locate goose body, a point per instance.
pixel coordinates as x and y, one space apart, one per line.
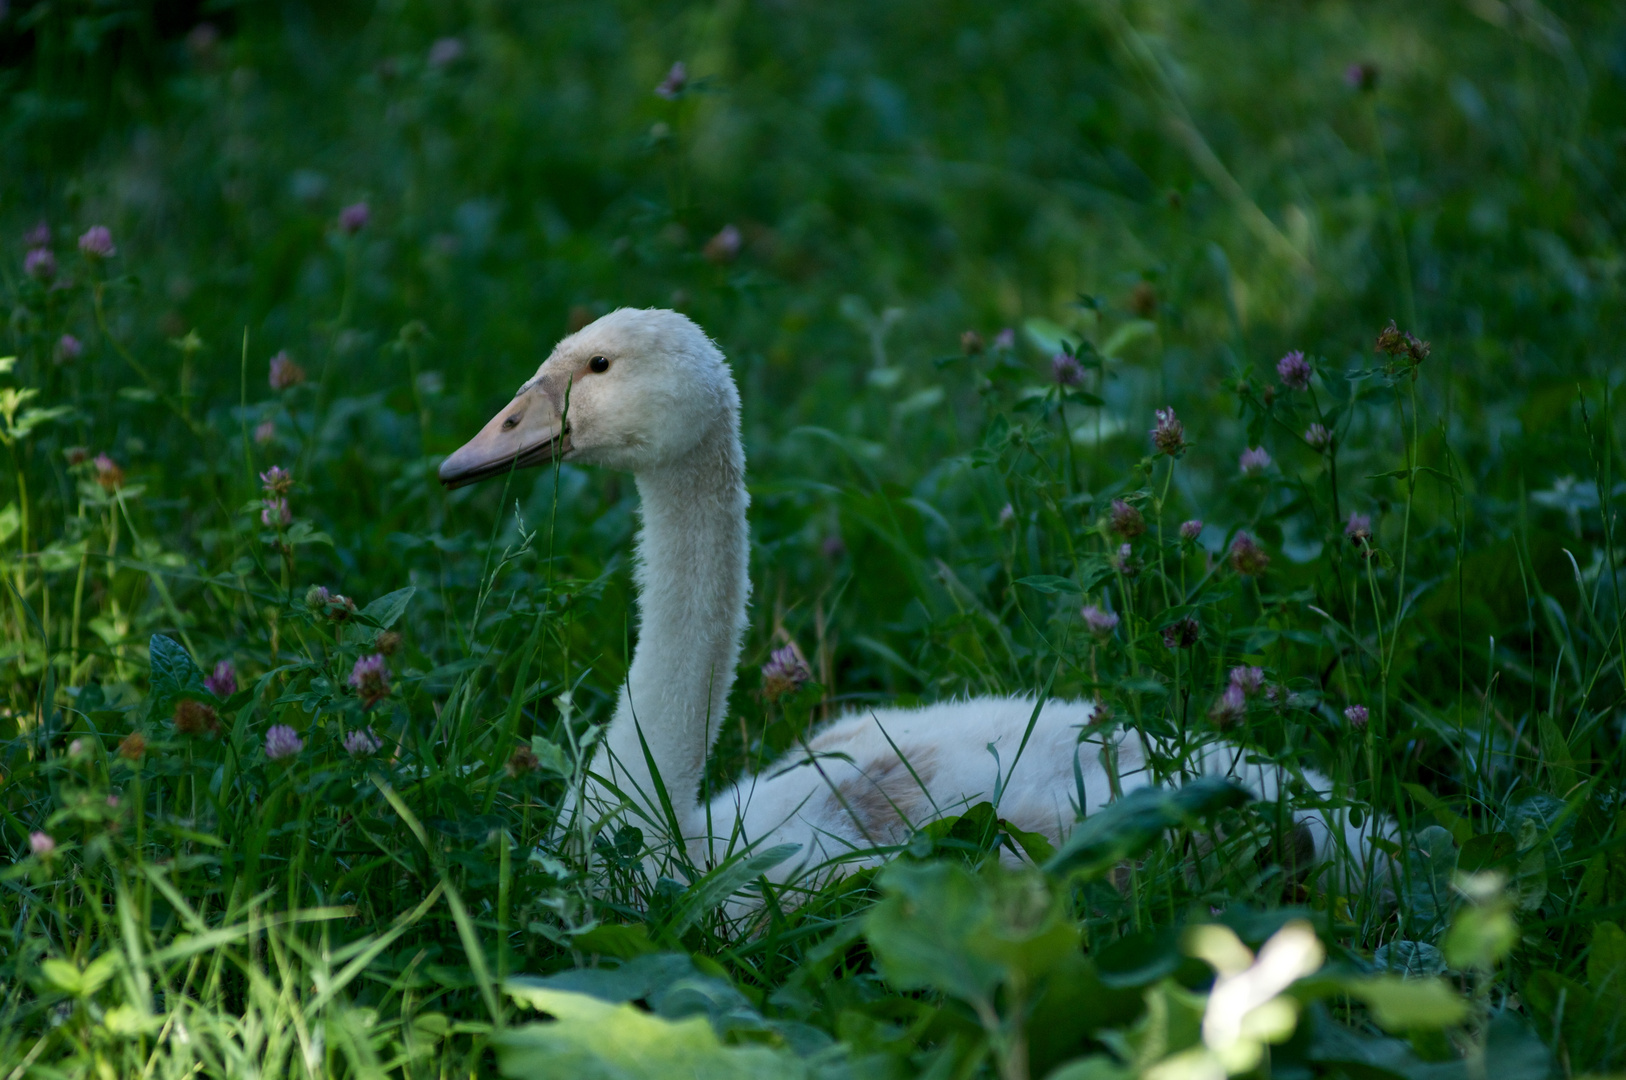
647 392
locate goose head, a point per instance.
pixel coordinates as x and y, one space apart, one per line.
636 391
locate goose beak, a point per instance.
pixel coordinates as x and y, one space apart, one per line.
527 432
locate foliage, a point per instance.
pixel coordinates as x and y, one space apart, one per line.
1081 352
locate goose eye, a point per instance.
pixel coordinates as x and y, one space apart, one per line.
509 423
598 364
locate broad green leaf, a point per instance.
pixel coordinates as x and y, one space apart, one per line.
303 532
1430 863
1401 1005
1606 965
942 927
590 1039
1481 935
1095 1067
11 520
550 757
388 608
635 980
173 673
1132 824
63 975
614 939
1073 1006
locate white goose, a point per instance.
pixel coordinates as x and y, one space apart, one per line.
647 392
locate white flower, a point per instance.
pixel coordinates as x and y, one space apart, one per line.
1245 1009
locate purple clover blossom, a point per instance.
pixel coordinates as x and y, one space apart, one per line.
1005 339
1254 461
1357 716
370 678
97 242
284 372
1359 529
1066 370
1190 530
38 236
1007 516
725 246
1125 520
1182 634
1169 436
277 481
40 843
1231 707
274 514
282 741
264 432
445 52
40 264
676 79
1101 623
784 672
1248 558
1294 371
360 743
1251 680
1318 436
68 349
222 681
354 218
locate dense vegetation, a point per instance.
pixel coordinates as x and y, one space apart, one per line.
287 728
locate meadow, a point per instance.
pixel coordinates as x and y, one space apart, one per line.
1247 369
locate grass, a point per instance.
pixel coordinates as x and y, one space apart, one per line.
1172 195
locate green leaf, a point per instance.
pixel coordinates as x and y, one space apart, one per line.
1050 584
1035 846
62 975
11 520
550 757
590 1039
173 673
1073 1006
941 927
1431 860
388 608
1481 935
1095 1067
1606 966
1132 824
1401 1005
614 939
1486 852
303 532
635 980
